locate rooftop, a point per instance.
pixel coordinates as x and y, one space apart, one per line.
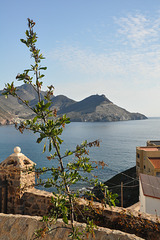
155 162
150 185
149 148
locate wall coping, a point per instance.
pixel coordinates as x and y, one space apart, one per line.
28 224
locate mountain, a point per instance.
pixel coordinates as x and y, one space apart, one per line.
88 105
61 102
98 108
91 109
5 117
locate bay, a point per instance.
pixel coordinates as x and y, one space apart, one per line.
118 141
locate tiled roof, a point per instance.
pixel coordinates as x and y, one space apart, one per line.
155 162
150 185
149 148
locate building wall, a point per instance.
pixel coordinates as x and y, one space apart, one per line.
152 171
142 199
142 162
148 204
152 205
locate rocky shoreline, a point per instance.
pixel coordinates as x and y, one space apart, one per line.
9 121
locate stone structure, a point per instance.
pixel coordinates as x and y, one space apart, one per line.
12 226
36 202
14 170
18 196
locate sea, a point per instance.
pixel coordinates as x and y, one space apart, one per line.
118 142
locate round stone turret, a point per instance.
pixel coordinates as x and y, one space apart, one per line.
17 171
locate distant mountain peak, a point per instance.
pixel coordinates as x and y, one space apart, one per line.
98 98
93 108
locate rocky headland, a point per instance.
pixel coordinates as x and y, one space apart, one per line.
95 108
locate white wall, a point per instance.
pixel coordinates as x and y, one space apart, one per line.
152 204
149 204
142 199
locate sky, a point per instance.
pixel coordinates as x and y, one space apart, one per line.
91 47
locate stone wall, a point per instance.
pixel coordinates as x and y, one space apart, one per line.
36 202
22 227
26 200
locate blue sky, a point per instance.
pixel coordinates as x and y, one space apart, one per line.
91 47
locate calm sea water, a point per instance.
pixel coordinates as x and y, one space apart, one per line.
117 147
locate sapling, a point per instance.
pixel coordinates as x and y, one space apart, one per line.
49 128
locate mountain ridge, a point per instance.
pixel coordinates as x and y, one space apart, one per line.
90 109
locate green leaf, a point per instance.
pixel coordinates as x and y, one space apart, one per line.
65 219
50 146
48 185
69 153
44 148
39 140
35 119
67 121
27 33
23 41
59 140
43 68
41 76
